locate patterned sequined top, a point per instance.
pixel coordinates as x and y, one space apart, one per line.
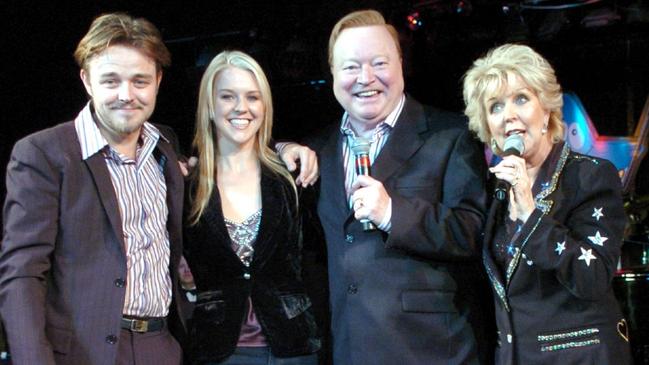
243 236
505 246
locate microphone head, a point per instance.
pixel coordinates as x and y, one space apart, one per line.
513 145
361 146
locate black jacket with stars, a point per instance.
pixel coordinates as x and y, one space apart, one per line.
554 301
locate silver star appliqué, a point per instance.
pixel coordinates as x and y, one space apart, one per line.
598 239
561 246
587 255
597 213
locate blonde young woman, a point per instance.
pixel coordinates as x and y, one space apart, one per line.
242 236
552 248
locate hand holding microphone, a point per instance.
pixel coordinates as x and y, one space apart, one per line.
361 149
513 147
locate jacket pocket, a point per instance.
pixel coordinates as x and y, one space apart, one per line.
568 339
415 189
295 304
428 301
210 307
61 339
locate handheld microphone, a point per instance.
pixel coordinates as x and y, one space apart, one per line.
513 146
361 149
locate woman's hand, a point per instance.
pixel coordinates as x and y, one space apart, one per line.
521 201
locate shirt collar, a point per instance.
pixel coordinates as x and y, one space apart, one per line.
389 122
90 137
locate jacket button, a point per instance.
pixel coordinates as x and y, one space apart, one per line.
119 282
352 289
246 276
111 339
509 338
349 238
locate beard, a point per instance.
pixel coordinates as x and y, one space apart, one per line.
111 119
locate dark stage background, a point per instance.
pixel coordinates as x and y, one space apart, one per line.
600 50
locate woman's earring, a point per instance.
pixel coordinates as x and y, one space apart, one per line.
544 130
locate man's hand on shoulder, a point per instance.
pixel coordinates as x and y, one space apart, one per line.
291 153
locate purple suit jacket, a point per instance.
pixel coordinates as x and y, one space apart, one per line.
63 263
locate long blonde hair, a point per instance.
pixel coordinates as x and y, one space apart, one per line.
205 142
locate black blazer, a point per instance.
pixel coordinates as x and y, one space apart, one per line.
404 297
554 303
273 280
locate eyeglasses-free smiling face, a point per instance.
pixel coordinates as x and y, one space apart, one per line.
367 72
518 110
238 109
123 84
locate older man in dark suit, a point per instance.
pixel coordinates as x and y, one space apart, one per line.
92 218
400 293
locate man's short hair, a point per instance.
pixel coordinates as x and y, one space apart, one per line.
122 29
361 18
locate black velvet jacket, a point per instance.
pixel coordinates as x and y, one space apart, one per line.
273 280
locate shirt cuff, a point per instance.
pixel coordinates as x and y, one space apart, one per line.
386 223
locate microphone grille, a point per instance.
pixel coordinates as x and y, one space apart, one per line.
514 142
361 146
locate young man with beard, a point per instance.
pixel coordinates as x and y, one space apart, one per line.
92 217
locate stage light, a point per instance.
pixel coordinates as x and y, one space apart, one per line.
414 21
463 7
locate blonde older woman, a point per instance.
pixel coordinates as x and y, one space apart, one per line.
243 234
552 247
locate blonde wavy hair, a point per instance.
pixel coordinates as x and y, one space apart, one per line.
487 77
205 142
